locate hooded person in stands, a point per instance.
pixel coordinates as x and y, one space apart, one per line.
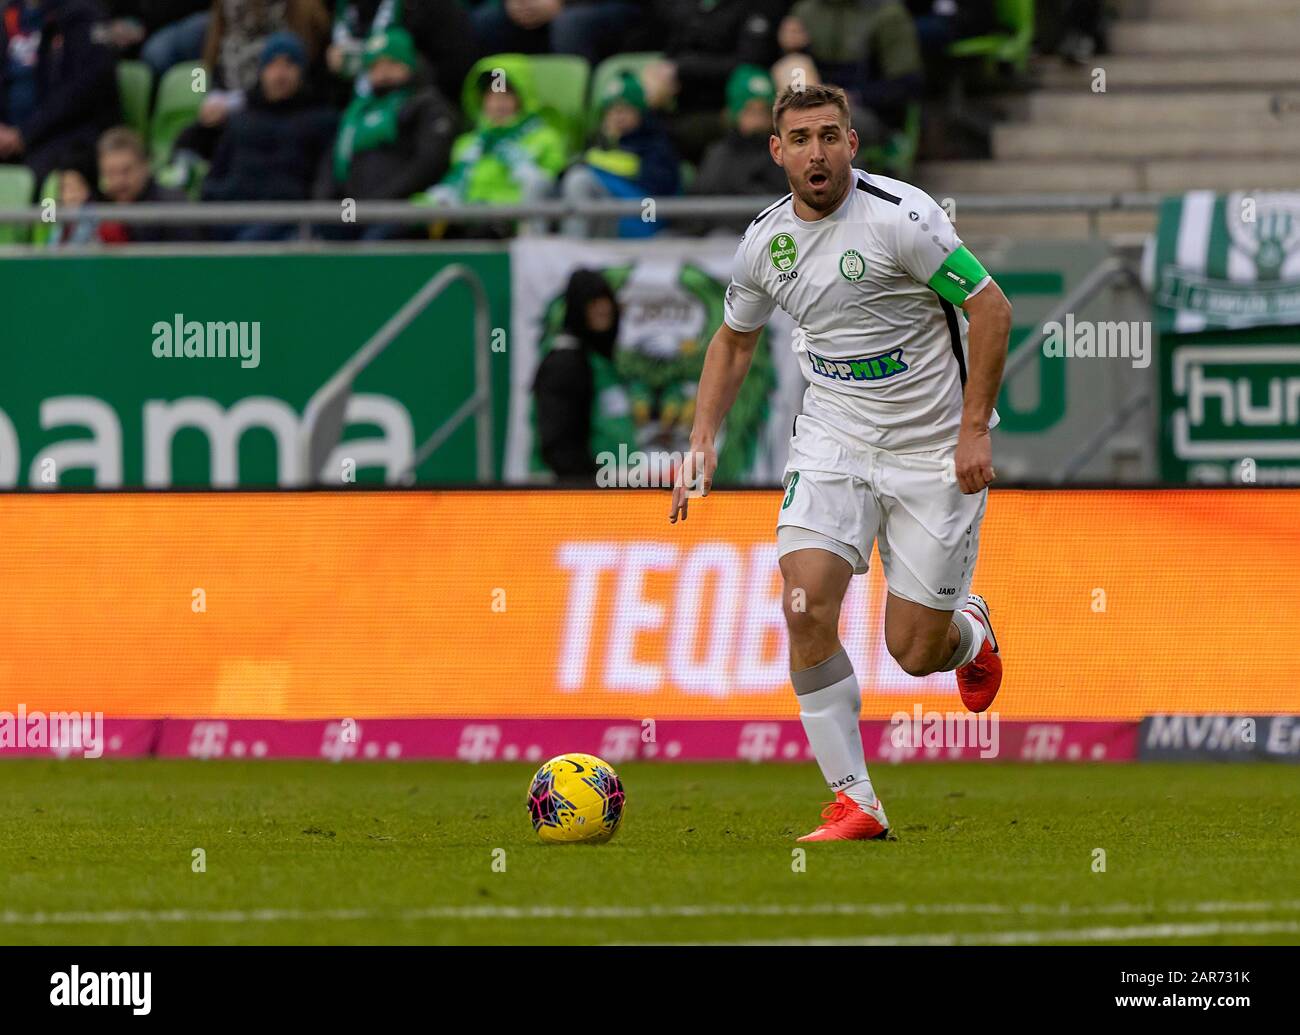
512 155
272 148
581 407
395 139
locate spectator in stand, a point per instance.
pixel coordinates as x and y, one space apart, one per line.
741 163
512 155
632 158
440 28
592 29
581 407
867 47
125 179
942 22
703 44
58 89
272 148
237 33
75 185
172 30
394 140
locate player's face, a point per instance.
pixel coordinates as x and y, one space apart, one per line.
816 149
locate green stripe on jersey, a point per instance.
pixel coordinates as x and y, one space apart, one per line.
958 275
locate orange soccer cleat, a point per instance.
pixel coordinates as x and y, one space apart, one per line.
846 820
978 680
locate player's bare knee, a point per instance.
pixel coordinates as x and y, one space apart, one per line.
813 625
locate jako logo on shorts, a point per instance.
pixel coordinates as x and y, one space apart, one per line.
868 368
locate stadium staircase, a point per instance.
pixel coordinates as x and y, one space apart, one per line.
1199 94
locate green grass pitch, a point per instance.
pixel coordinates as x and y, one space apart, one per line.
404 852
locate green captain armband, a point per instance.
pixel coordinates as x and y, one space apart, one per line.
958 276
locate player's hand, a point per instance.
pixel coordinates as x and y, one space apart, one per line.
694 478
973 461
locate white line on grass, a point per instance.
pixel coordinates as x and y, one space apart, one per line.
1131 933
881 909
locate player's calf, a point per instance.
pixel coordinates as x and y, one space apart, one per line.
830 700
921 639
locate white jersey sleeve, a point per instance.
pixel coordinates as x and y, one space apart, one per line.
926 237
747 306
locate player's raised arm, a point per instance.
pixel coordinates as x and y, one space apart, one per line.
725 366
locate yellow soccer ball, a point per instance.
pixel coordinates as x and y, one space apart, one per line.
576 798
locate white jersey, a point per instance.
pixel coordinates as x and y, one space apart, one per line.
883 353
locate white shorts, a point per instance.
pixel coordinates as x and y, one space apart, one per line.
910 504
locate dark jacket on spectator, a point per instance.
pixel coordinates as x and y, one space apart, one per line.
76 85
418 157
270 152
145 233
659 166
708 42
739 165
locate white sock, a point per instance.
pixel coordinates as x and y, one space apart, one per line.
830 703
970 638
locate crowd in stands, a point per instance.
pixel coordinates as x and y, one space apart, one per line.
393 100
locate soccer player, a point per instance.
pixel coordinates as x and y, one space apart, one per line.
893 443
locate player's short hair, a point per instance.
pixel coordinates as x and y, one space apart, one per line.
122 138
813 96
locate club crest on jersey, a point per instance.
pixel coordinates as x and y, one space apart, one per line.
868 368
852 265
783 252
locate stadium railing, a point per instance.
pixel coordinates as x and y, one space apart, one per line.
307 214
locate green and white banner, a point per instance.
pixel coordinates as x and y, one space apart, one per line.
670 295
1227 260
1224 274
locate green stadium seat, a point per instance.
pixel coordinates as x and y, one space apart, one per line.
609 69
177 107
16 186
135 87
561 81
42 232
1011 47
